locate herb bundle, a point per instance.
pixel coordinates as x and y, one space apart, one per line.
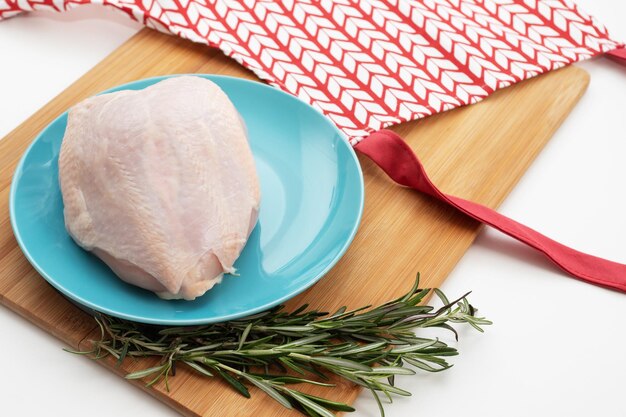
275 350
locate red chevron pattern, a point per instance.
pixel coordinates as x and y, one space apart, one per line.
370 64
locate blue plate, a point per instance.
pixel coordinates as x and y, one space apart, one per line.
312 200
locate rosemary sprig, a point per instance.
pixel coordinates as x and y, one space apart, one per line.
275 349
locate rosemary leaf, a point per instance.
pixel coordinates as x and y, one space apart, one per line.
239 387
244 335
268 389
331 405
309 403
343 363
145 372
390 370
198 368
123 354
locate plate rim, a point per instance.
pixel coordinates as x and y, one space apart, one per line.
82 303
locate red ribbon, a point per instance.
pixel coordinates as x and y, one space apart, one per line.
396 158
618 55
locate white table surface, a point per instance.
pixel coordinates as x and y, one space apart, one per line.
558 346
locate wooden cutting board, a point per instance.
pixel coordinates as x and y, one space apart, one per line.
477 152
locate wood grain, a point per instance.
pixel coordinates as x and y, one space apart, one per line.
478 152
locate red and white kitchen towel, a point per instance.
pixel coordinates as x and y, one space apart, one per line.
370 64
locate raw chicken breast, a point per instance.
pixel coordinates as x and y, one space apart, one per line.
160 184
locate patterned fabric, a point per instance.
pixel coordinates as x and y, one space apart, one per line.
369 64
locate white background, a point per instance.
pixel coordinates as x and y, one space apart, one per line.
558 346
